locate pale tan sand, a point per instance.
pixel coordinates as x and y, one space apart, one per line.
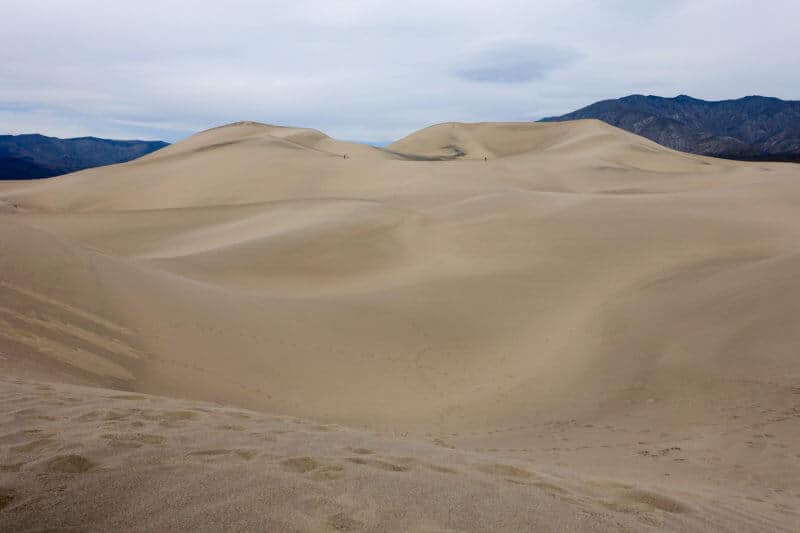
583 304
76 457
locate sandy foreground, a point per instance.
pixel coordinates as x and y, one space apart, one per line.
481 327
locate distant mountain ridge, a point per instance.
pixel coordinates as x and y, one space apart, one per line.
750 128
37 156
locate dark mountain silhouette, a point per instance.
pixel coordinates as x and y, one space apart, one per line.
37 156
749 128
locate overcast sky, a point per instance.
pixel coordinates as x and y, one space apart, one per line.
373 70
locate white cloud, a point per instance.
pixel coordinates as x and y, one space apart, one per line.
372 70
513 60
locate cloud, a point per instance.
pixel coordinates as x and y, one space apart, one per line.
513 61
365 70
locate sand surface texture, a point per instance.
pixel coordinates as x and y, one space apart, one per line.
557 326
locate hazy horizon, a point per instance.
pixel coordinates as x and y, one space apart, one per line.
377 143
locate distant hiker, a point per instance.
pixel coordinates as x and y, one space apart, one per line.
344 155
485 158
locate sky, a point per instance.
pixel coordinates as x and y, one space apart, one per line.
373 71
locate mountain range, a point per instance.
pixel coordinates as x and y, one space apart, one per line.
750 128
38 156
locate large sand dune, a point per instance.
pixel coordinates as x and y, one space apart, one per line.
560 296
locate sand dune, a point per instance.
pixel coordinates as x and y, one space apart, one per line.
583 300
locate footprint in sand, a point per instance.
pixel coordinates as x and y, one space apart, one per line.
379 464
208 453
70 464
90 416
242 453
234 414
231 427
300 465
172 419
133 440
328 473
343 522
549 487
318 470
6 497
638 500
246 454
439 468
361 451
520 476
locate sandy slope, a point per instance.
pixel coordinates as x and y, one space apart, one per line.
69 452
583 299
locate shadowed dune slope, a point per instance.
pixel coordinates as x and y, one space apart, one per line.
583 297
